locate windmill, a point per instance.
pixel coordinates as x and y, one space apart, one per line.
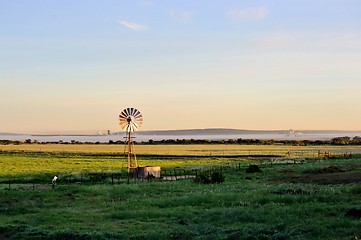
130 119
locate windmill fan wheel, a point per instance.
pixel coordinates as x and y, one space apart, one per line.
130 119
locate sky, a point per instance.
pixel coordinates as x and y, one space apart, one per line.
73 66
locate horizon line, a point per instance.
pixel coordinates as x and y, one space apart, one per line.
102 132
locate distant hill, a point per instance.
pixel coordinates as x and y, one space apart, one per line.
211 131
9 134
227 131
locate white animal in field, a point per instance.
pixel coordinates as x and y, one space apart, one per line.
54 180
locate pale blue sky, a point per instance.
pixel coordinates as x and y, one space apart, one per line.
74 65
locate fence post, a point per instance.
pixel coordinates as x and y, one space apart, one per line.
175 174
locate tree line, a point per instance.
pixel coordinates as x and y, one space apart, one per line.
335 141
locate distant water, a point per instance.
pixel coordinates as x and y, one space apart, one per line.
141 137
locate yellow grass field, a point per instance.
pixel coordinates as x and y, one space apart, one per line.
195 149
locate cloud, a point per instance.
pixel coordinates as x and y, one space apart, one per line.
249 13
181 16
133 26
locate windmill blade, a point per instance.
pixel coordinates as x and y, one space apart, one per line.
123 114
132 111
137 113
136 126
139 121
122 119
124 125
133 125
140 118
129 111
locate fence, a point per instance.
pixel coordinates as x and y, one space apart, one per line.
168 174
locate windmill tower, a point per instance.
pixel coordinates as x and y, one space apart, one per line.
130 119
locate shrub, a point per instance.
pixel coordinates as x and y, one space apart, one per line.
217 177
253 169
214 177
203 178
356 189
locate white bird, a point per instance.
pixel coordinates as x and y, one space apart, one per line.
53 182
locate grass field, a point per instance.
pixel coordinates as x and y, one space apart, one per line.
206 150
284 201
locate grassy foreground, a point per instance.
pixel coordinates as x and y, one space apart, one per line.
282 202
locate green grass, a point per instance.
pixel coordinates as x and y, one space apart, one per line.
15 164
238 209
258 208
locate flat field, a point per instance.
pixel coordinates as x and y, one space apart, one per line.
318 199
195 149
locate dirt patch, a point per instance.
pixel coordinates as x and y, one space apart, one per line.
2 237
353 213
35 187
330 169
329 175
253 169
173 178
297 191
287 170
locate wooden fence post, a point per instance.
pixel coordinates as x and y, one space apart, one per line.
175 174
